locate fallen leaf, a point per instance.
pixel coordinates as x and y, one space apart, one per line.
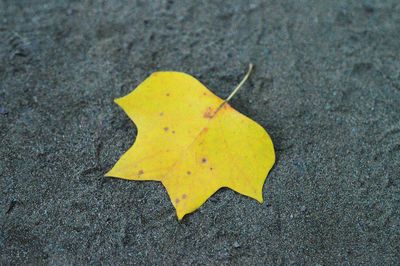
193 142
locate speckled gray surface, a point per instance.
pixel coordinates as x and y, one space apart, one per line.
326 87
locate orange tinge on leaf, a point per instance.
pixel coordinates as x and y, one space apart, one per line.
190 144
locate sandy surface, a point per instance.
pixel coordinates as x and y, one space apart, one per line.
326 87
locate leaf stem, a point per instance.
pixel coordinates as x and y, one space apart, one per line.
236 89
241 83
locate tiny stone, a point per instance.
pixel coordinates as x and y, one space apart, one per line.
303 208
236 244
3 111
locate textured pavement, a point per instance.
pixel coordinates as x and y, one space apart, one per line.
326 86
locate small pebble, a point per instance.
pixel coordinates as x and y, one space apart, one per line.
3 111
303 208
236 244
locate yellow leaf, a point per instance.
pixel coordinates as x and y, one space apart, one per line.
193 142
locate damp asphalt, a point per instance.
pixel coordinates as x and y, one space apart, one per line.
326 86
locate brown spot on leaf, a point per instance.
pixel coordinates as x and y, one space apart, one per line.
184 196
140 172
208 113
204 160
166 129
173 131
189 173
167 94
176 201
211 168
162 113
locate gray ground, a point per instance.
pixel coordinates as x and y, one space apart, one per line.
326 87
